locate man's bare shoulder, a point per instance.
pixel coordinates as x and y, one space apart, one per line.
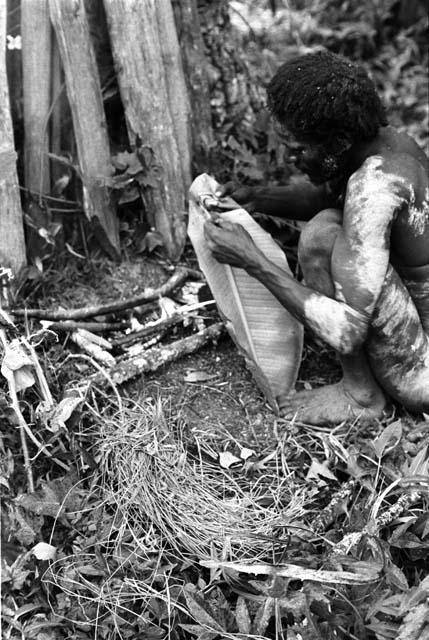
395 156
390 190
399 174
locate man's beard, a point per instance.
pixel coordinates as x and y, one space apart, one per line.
321 168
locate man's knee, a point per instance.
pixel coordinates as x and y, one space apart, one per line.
318 237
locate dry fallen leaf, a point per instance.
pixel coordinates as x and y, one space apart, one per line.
44 551
227 459
198 376
320 470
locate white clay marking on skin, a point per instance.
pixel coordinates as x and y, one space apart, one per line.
373 198
419 216
339 295
329 320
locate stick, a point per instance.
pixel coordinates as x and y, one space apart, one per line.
149 330
154 358
93 327
160 325
176 280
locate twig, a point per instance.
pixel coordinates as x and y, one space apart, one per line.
41 378
23 427
176 280
102 374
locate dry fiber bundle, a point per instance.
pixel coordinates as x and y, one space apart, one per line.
195 505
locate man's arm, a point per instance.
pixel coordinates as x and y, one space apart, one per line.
375 195
298 201
335 322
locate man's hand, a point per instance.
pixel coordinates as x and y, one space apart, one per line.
244 196
230 243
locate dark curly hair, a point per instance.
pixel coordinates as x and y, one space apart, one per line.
325 97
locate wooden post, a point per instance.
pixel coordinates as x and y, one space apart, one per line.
12 242
59 102
134 36
36 70
89 122
180 108
195 67
14 63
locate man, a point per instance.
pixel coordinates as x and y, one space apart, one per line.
364 253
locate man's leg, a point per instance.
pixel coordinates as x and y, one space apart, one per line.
358 394
398 340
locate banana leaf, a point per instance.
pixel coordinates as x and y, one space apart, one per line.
268 337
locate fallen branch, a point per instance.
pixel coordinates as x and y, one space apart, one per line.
295 572
156 357
350 541
337 504
176 280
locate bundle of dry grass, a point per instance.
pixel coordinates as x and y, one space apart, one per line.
161 475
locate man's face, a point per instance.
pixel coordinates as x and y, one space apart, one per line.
309 156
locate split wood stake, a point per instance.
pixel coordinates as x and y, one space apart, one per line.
295 572
86 343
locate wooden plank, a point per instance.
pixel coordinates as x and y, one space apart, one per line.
36 71
12 241
177 91
134 36
89 122
195 66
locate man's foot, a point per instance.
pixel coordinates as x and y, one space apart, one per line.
331 405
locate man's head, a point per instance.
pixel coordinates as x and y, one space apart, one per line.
325 101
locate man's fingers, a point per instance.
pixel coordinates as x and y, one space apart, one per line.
220 232
219 222
211 230
225 189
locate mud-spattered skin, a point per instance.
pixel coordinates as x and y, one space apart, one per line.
375 310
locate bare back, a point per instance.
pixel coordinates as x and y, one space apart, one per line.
409 234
